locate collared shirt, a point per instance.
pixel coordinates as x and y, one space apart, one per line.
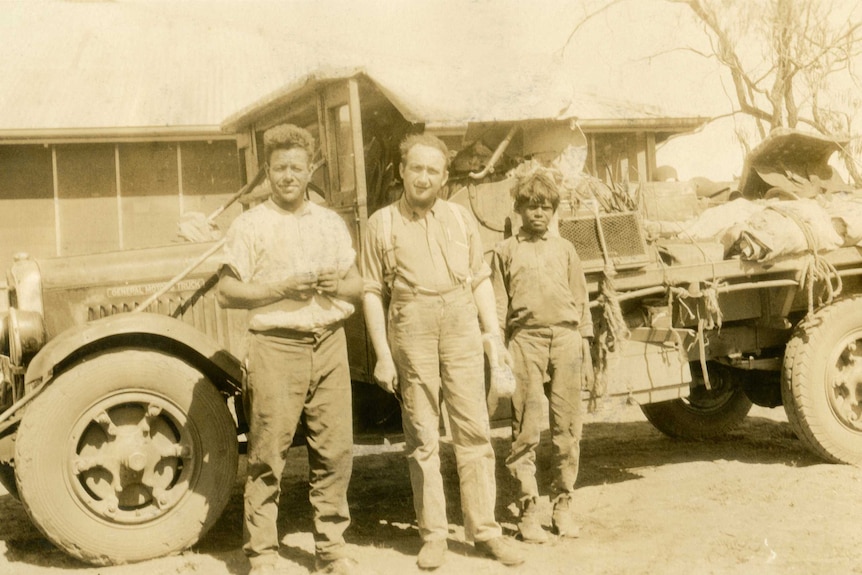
269 244
539 282
432 252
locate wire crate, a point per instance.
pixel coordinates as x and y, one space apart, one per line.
623 236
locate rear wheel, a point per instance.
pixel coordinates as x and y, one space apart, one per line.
705 413
126 456
821 382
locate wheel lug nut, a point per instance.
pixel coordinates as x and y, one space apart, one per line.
136 461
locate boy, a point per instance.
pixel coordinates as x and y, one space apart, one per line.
543 309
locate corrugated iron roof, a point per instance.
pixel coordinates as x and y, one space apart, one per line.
438 104
125 68
100 66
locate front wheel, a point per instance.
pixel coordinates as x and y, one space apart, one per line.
821 381
705 413
127 456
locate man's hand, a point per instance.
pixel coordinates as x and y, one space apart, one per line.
300 286
501 363
497 352
327 282
385 375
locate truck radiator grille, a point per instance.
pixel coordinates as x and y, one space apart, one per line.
623 237
197 308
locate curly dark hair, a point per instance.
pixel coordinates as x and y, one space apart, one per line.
423 140
287 137
536 188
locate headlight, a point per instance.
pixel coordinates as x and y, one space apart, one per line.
22 334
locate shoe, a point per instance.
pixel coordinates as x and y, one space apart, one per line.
262 569
530 525
340 566
563 521
500 549
432 555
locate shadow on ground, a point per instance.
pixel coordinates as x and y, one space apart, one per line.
612 452
381 501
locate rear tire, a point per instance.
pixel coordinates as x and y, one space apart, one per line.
127 456
821 382
705 413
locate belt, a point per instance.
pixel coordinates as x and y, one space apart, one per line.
301 336
404 289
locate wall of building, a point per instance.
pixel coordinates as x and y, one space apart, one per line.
76 198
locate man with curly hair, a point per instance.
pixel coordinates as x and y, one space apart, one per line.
290 263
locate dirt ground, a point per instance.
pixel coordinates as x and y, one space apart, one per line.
753 502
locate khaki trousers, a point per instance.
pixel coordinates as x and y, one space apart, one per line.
437 349
541 352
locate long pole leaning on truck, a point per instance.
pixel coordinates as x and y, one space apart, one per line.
258 178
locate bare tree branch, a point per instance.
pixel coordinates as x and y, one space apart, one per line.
586 19
673 50
807 49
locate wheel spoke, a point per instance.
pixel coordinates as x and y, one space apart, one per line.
107 424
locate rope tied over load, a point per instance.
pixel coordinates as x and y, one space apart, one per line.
816 268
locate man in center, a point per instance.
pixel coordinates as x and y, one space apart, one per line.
425 255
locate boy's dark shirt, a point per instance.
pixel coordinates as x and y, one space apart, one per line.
539 282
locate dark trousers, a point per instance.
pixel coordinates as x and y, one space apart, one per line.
287 378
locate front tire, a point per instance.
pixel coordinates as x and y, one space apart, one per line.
705 413
821 382
127 456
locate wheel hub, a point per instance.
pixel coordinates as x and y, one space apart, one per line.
130 458
846 386
715 397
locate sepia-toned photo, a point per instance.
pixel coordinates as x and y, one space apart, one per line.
385 287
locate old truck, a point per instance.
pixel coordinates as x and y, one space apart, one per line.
122 379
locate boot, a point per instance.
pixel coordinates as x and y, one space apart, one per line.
500 549
432 555
563 520
530 525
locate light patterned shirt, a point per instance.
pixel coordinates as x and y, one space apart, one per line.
269 244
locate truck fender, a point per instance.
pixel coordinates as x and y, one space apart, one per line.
155 331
